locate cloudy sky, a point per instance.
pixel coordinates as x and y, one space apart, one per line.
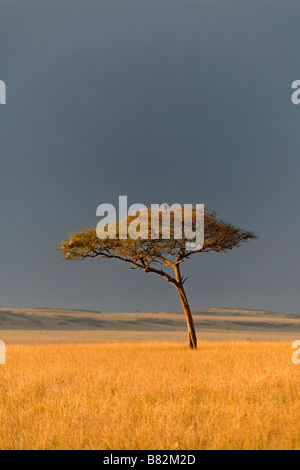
163 101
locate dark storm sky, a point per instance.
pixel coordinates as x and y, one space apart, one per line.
163 101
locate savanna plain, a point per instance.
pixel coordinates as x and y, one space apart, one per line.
237 394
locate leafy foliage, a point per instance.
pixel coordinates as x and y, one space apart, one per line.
219 236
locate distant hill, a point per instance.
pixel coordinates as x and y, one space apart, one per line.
74 325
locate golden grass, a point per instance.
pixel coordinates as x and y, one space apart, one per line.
150 396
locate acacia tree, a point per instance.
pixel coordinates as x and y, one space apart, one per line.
159 255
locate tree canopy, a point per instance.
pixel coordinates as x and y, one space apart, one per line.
219 236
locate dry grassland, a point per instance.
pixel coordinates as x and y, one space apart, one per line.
150 396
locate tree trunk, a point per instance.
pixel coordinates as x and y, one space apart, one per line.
186 309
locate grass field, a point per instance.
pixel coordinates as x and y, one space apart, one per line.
150 396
